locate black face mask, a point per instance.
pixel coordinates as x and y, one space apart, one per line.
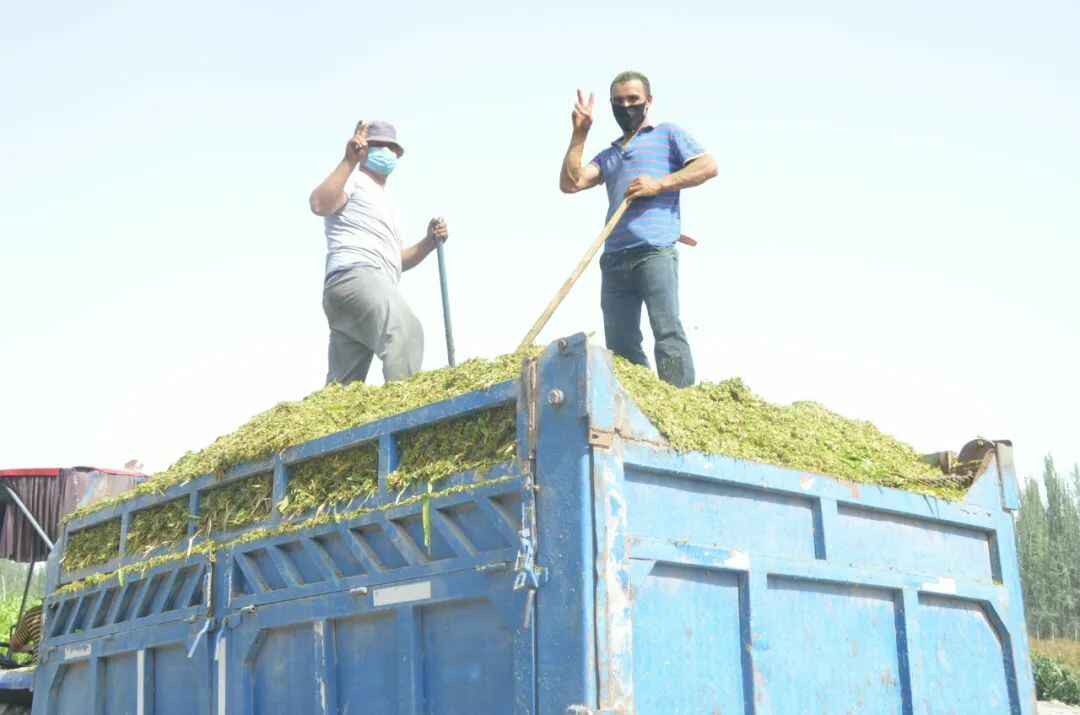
629 118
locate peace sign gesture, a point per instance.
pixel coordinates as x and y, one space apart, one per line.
582 116
355 148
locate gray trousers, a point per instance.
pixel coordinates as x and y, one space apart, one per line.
368 316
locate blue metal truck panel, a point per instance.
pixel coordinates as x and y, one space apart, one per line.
599 572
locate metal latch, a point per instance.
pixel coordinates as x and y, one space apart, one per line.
493 566
235 619
207 625
529 575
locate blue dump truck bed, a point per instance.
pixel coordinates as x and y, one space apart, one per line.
598 571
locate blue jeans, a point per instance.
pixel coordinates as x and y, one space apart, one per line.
651 276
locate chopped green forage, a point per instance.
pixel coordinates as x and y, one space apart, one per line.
209 547
137 568
724 418
475 442
157 526
329 410
237 504
92 546
727 418
322 482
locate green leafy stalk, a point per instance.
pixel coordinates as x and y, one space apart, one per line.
426 518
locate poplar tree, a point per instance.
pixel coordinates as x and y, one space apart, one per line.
1048 545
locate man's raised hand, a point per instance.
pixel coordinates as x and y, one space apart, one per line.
582 116
354 150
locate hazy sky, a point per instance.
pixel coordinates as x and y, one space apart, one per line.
893 232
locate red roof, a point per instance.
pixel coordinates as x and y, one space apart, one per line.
55 472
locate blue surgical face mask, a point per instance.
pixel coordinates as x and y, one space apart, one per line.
381 160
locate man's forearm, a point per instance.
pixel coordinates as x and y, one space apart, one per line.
416 253
695 173
570 177
326 195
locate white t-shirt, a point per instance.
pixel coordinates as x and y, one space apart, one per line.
365 232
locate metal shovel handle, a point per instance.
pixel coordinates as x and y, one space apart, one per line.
578 270
441 254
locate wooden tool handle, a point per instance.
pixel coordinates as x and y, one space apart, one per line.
578 270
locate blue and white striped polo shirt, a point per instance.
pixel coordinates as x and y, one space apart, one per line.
656 152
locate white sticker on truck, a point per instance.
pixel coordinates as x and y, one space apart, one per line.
942 585
222 670
77 651
390 595
140 682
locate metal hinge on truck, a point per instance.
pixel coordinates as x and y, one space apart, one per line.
528 574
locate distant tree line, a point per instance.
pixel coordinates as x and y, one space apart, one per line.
1048 538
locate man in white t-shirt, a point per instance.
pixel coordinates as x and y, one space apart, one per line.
364 259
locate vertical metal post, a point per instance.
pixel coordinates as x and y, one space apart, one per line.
144 681
280 486
445 302
410 683
388 462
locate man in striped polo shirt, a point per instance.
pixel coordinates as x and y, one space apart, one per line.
650 165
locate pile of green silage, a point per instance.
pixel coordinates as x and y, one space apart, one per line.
157 526
724 418
336 478
727 418
237 504
329 410
232 506
92 546
475 442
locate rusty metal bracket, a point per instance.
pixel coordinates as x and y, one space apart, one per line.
945 461
600 438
